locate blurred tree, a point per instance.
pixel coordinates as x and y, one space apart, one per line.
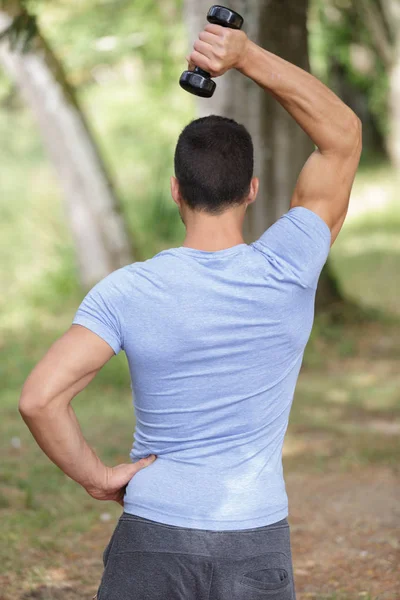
356 51
343 58
281 146
381 19
92 209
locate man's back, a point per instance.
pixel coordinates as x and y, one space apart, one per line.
214 342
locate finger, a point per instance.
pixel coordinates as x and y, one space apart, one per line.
204 48
190 64
200 61
120 493
215 29
208 37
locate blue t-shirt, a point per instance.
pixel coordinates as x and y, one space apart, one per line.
214 342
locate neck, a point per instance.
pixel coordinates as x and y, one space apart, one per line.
211 232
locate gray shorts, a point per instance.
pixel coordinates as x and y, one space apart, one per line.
148 560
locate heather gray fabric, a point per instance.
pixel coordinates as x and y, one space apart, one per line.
148 560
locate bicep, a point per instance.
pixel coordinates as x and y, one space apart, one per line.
68 366
325 183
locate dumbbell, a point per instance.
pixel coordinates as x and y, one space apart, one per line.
198 81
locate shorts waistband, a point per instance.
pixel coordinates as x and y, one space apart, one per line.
130 517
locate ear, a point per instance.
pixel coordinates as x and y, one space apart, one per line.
254 185
175 190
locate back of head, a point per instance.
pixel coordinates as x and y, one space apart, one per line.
214 163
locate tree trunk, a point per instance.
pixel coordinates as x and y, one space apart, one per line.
281 147
394 100
382 21
101 241
394 107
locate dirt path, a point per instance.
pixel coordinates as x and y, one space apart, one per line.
346 533
345 539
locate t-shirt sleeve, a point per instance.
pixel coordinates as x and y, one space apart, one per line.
101 310
300 240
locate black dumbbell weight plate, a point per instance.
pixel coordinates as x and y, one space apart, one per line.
197 84
220 15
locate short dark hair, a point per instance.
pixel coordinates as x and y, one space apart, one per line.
214 163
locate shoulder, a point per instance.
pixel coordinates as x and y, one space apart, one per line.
299 241
299 220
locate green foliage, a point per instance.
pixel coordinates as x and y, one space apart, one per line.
338 36
125 59
369 245
114 33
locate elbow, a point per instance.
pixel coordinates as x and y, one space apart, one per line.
352 141
355 128
29 406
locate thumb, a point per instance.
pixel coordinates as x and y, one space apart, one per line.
145 462
122 474
140 464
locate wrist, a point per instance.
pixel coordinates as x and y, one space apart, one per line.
97 479
245 57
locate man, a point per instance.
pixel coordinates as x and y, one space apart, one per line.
214 332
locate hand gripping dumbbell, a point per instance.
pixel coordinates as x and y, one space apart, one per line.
198 81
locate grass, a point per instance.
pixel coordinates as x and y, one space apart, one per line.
367 252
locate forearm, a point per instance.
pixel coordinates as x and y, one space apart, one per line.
329 122
58 433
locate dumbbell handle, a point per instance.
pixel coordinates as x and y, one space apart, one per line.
201 72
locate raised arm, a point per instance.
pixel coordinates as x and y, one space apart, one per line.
325 182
